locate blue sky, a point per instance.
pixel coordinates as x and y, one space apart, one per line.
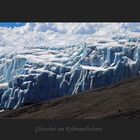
11 24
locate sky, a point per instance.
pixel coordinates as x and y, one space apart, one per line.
11 24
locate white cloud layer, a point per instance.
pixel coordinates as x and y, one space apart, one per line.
34 34
79 28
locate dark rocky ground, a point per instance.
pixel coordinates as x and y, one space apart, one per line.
119 101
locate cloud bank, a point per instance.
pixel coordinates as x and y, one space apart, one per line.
33 34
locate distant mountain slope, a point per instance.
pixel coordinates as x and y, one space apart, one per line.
121 100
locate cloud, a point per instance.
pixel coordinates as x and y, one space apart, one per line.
80 28
32 34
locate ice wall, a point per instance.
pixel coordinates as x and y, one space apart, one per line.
43 73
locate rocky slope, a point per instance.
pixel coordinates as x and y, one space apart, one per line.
119 101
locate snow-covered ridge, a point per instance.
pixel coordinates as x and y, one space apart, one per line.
39 65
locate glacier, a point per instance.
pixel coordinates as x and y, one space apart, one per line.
47 68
